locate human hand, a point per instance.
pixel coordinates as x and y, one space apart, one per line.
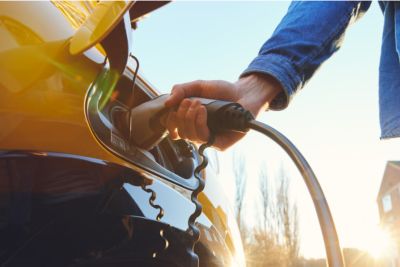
189 121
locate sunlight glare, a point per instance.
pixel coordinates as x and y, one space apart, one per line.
379 244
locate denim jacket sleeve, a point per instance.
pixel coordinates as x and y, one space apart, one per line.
308 34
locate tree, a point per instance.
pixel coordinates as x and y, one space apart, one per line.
239 171
267 204
288 220
275 241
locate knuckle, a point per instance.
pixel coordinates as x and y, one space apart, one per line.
201 83
186 103
198 81
195 103
176 87
181 114
190 115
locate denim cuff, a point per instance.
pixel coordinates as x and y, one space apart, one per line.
283 71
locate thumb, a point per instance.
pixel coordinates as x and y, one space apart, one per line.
182 91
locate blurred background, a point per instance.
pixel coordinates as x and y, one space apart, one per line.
333 121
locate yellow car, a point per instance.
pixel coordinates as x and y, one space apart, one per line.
73 190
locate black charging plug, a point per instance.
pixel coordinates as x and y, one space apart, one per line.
227 116
146 128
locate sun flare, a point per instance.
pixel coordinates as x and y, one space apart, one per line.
380 243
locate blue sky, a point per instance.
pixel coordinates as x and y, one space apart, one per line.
333 121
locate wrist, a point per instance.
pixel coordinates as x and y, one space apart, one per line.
257 91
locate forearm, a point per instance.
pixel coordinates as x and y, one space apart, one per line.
258 91
308 34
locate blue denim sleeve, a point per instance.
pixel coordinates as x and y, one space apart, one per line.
308 34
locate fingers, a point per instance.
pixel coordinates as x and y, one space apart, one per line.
172 124
181 115
189 122
222 90
181 91
203 133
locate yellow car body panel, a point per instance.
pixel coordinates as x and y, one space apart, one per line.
102 21
43 87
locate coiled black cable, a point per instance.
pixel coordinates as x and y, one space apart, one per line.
159 215
193 231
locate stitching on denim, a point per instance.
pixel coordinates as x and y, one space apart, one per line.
395 118
391 134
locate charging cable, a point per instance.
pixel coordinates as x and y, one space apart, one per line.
147 129
224 116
